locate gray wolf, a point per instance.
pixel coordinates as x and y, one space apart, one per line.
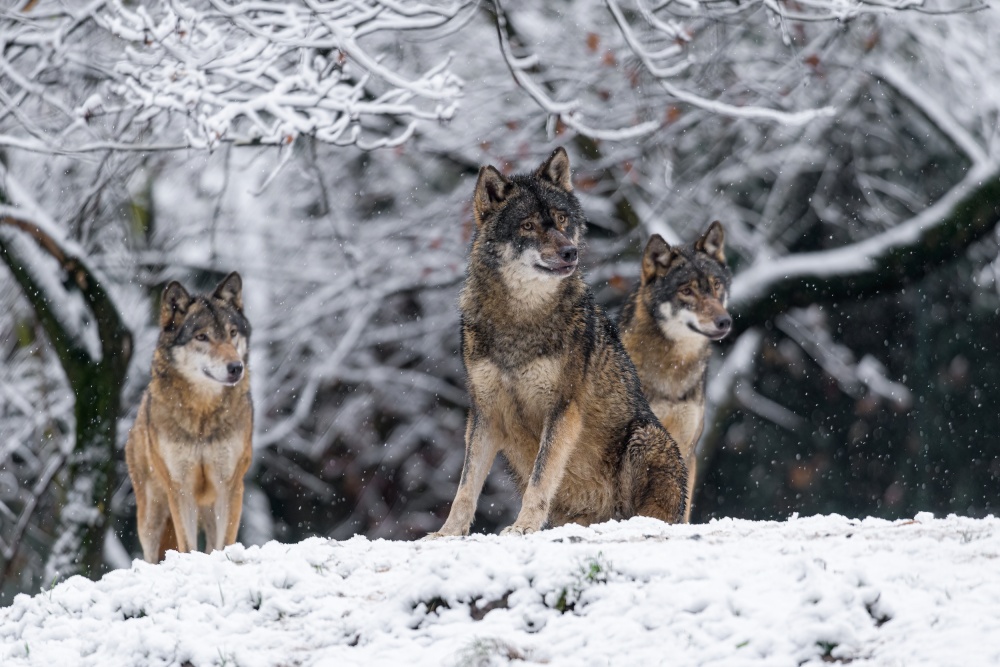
191 442
667 324
550 385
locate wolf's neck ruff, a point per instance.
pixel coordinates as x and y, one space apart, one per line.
670 368
198 412
516 291
510 335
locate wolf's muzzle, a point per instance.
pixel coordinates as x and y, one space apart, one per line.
234 371
562 263
568 254
723 323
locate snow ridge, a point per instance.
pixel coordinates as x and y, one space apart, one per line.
802 592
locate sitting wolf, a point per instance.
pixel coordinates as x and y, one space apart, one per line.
550 384
669 319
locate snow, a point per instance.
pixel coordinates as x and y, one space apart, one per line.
731 592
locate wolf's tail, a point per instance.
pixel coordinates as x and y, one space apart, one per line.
168 540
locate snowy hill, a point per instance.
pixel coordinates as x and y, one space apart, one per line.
807 591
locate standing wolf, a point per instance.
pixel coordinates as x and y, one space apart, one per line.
550 384
667 323
191 442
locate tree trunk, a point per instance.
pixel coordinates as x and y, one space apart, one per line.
95 376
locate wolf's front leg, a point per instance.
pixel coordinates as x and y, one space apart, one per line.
480 450
559 438
184 512
152 514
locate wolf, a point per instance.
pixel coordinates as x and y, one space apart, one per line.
550 385
191 442
667 324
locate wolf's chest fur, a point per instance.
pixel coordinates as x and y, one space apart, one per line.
202 466
673 382
200 438
520 364
517 398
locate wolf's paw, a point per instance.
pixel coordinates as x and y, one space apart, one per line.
439 534
432 536
517 530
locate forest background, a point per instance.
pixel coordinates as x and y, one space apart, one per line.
327 151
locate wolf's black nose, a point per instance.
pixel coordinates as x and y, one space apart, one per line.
723 322
235 369
568 253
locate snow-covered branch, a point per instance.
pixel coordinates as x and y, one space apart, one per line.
887 260
935 111
65 290
207 72
807 329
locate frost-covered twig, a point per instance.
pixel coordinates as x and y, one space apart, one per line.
847 10
564 111
266 74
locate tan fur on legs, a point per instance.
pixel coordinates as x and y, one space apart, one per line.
209 524
480 450
184 512
692 466
235 511
152 518
236 492
685 422
168 540
559 439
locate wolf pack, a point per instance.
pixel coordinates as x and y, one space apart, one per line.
597 420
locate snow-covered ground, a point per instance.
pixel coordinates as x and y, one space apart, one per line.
805 591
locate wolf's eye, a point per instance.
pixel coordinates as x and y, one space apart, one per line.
232 333
527 225
561 218
202 337
686 291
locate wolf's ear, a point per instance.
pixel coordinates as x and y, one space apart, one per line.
173 304
713 242
555 170
658 258
230 290
492 190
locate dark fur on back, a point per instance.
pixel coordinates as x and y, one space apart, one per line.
667 324
551 386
